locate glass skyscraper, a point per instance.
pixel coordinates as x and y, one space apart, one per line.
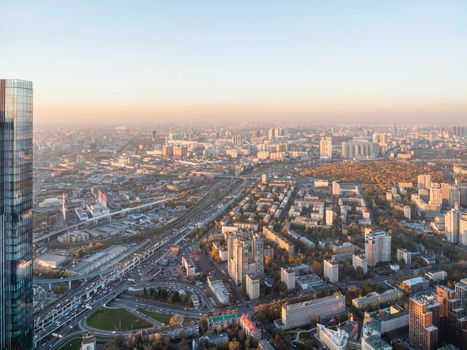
16 293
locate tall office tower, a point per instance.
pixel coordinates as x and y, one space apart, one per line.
245 255
325 148
424 182
16 322
423 320
377 247
451 224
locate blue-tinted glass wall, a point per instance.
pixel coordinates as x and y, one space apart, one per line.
16 321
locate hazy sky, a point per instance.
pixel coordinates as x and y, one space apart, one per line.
318 61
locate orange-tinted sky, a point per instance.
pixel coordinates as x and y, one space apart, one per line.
164 61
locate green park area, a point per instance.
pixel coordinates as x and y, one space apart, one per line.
116 320
162 318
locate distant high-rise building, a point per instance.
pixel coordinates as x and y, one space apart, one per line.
329 216
377 247
408 212
335 188
424 182
463 229
360 261
436 196
16 292
462 192
325 148
331 271
451 225
458 131
252 286
381 139
288 277
237 139
451 195
179 151
245 255
404 255
275 133
359 149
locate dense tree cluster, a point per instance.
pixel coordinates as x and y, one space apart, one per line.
379 172
168 296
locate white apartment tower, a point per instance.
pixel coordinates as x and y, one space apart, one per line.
360 261
377 247
252 286
451 224
331 271
288 277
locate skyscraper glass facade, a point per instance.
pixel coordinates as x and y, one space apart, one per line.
16 293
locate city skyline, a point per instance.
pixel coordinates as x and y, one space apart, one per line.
184 62
220 225
244 175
